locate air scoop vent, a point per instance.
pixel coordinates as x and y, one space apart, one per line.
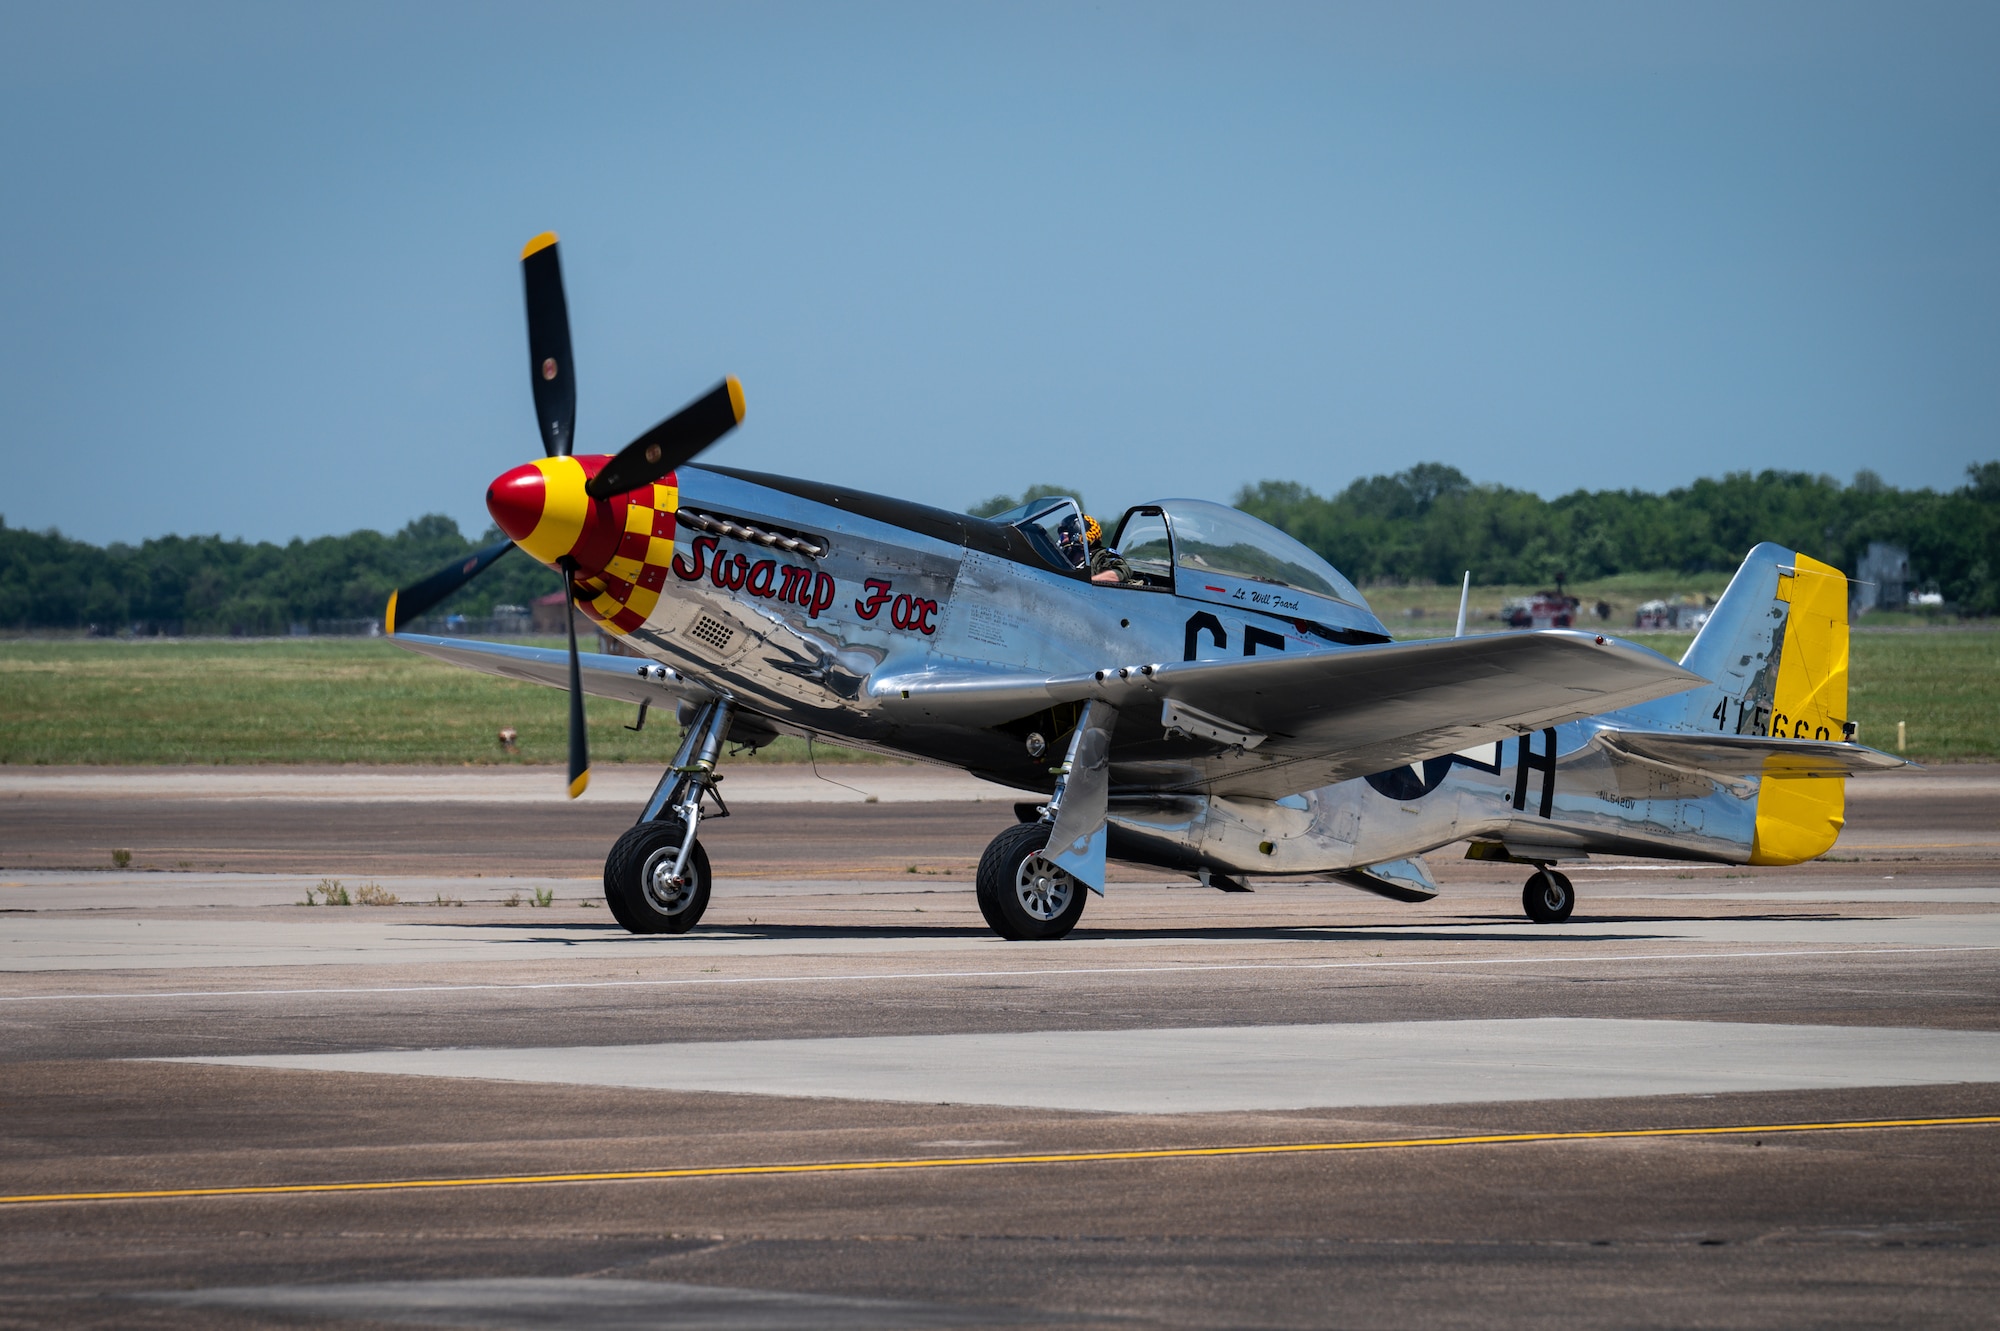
778 538
713 632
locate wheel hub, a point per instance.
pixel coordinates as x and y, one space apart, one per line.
1044 890
666 895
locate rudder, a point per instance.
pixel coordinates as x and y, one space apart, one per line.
1775 647
1799 818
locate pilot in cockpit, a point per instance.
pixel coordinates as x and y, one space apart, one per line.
1106 564
1073 540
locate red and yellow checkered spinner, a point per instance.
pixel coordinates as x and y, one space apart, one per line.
620 546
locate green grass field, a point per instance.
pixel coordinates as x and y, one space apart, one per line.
293 700
333 700
1944 684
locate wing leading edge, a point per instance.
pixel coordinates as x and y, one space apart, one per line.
624 677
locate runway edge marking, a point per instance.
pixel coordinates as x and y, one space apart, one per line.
954 1162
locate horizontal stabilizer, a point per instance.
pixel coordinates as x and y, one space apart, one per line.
1749 755
623 677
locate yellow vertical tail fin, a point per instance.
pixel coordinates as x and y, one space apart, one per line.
1800 817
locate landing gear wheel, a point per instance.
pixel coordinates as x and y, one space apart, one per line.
1021 894
1548 897
637 883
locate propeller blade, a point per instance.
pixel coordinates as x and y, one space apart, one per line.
579 742
672 442
549 365
406 603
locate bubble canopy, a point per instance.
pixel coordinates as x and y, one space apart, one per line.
1213 538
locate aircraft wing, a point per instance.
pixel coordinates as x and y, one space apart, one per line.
1274 725
624 677
1749 755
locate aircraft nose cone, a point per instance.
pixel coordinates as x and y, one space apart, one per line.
516 500
542 506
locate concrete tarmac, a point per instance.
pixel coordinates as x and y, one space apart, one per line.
842 1102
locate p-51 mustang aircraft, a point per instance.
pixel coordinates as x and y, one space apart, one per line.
1216 701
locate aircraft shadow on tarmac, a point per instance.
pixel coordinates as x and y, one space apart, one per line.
1763 917
1084 933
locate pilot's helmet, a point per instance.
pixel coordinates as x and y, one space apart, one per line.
1070 539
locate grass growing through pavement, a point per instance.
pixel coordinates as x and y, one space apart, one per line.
280 700
330 892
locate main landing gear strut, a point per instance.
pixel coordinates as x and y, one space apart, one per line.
656 878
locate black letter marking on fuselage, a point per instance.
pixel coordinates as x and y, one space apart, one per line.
1545 763
1204 622
1254 637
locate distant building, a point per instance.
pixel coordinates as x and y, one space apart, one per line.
547 612
1685 614
1883 580
547 615
1543 610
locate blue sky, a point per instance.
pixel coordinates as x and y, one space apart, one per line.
260 277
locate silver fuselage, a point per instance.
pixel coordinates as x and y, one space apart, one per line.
802 643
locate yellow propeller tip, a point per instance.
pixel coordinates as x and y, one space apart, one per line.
736 398
538 244
389 616
577 786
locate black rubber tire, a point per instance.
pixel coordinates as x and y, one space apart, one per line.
1548 897
989 903
998 887
625 868
614 899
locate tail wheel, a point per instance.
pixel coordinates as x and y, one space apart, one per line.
1021 893
638 880
1548 897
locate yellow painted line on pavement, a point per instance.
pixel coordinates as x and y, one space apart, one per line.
954 1162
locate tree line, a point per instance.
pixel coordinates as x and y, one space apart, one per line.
1432 523
208 585
1429 523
